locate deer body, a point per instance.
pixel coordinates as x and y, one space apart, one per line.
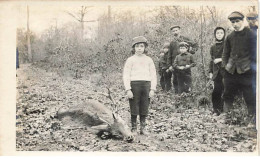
95 115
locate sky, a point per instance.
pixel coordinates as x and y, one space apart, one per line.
43 15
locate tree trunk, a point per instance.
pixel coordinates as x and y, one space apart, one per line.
29 38
202 20
82 22
109 15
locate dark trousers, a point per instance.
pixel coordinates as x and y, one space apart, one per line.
239 82
140 103
217 93
175 81
165 80
184 80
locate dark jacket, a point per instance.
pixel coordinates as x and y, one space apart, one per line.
174 48
216 52
253 64
183 60
239 49
162 63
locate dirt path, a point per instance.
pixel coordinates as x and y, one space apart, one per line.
184 129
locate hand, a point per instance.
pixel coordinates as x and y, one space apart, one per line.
210 75
130 94
151 93
187 66
167 71
217 60
170 68
181 67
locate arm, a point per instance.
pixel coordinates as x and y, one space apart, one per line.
253 49
211 61
193 45
169 56
126 74
175 63
192 61
226 52
153 75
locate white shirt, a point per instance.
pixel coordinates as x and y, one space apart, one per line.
139 68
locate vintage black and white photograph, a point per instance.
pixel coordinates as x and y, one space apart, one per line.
136 76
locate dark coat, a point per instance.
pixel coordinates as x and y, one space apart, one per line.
183 60
174 48
239 49
216 52
162 63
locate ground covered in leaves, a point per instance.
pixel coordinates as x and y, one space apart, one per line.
176 123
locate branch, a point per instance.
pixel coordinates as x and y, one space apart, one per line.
89 20
73 16
212 14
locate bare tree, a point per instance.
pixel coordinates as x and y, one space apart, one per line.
80 16
28 37
213 13
202 35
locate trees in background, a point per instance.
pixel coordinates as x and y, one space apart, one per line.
65 50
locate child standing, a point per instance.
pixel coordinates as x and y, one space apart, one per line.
182 64
140 81
216 71
165 73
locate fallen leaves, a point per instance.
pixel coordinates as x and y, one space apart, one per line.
175 122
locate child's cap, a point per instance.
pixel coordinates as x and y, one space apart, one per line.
236 15
184 44
139 39
166 45
175 26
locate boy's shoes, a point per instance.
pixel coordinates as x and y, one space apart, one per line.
143 131
134 131
216 112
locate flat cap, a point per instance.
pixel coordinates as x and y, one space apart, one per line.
252 15
139 39
183 44
236 15
175 26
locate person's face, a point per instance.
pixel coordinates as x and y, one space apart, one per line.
220 34
176 31
183 49
237 24
139 48
165 50
252 21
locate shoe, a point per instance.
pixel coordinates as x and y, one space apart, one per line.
143 131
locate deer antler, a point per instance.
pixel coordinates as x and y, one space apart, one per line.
112 99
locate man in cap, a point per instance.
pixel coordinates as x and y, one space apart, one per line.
252 19
239 48
174 50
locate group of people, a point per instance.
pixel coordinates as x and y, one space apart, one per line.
232 68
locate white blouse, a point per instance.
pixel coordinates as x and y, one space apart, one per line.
139 68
